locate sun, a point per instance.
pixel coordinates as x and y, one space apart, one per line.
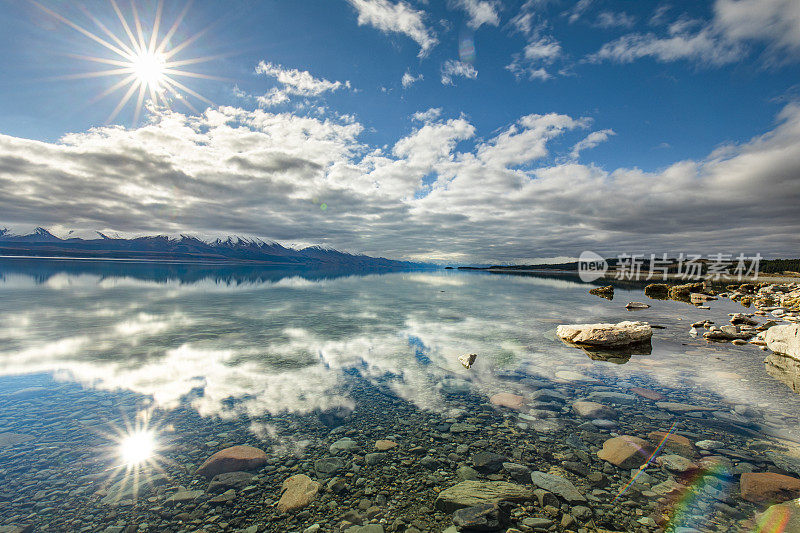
149 69
145 61
137 447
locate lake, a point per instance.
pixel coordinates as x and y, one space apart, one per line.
117 381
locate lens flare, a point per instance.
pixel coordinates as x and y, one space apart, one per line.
137 448
143 58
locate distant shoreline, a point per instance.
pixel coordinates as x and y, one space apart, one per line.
670 277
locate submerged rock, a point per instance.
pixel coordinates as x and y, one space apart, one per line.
768 487
486 517
230 480
233 459
298 491
647 393
560 486
472 493
781 517
593 410
619 334
636 305
625 451
506 399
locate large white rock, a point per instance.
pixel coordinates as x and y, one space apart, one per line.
606 334
784 339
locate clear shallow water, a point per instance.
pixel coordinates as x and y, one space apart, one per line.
254 355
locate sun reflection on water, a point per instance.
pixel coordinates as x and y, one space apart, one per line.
137 447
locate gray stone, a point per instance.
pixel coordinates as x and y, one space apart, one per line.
328 466
345 445
230 480
375 458
488 462
612 397
557 485
183 496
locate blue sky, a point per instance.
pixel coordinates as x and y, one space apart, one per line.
641 96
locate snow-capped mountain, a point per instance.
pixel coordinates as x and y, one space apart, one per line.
42 242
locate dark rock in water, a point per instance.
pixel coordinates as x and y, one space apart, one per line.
487 517
657 291
576 468
519 473
683 292
488 462
328 466
429 462
606 292
334 417
375 458
230 480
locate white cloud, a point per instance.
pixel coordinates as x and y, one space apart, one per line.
427 116
408 79
526 140
513 195
397 17
609 19
577 10
590 141
726 38
294 82
535 57
454 69
480 12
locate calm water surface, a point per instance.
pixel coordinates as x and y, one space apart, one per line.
90 353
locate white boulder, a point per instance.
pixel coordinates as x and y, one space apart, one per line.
784 339
619 334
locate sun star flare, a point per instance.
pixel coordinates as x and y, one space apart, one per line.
144 60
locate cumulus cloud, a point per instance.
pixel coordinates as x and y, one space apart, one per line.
436 192
294 82
726 38
408 79
397 17
590 141
480 12
453 68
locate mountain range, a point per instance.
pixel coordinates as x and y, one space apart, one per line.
43 243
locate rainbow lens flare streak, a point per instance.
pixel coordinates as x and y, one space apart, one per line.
775 519
650 459
694 507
